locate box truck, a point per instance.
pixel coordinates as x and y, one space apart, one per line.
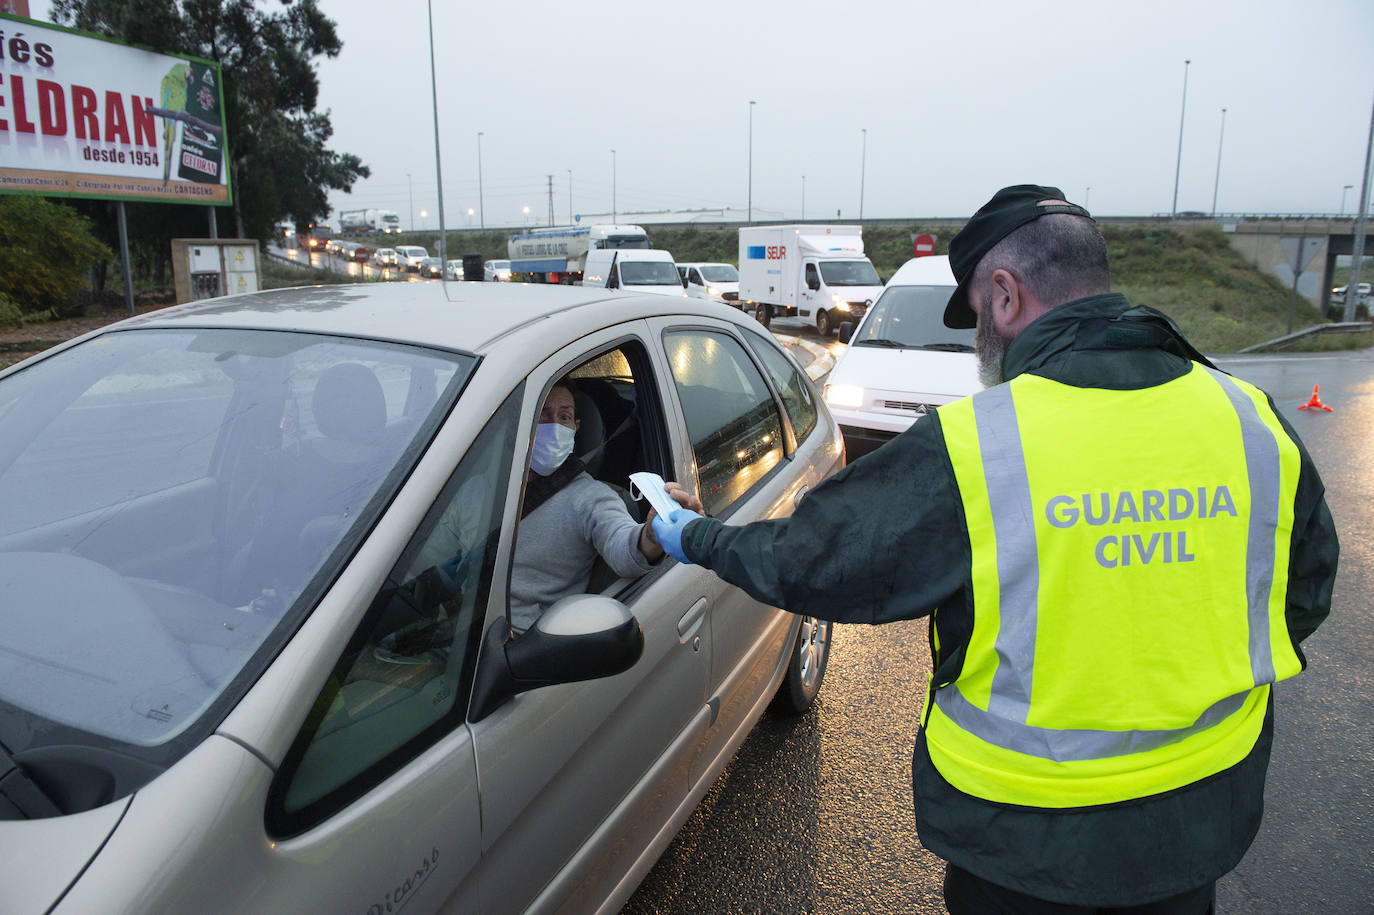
558 254
812 274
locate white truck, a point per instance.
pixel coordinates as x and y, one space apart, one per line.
365 222
559 254
808 273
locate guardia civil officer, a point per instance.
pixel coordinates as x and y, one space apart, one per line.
1120 548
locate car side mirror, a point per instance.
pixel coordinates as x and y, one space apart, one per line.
684 282
846 331
584 637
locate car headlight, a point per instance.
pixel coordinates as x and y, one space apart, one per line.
711 290
840 304
844 395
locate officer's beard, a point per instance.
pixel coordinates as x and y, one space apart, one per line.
990 348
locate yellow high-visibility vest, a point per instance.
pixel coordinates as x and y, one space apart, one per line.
1130 566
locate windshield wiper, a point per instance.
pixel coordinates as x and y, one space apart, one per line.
947 347
879 341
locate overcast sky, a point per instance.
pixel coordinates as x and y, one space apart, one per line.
958 98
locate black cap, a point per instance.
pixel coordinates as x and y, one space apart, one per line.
1008 210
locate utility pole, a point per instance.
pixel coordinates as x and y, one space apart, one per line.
1178 165
803 198
863 167
1352 288
1217 184
481 210
751 161
570 209
438 170
550 199
613 186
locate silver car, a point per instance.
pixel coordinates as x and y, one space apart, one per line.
255 556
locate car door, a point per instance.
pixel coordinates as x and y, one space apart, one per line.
578 780
740 456
812 301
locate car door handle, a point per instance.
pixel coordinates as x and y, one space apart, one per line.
691 620
801 494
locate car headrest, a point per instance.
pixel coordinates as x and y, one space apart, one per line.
589 445
348 404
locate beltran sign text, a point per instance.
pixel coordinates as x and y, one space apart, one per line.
84 117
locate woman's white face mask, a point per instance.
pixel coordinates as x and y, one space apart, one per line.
553 442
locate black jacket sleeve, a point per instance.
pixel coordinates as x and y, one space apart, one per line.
882 540
1313 551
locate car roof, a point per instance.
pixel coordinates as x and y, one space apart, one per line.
703 264
470 317
924 271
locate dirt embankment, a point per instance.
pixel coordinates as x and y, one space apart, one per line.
18 343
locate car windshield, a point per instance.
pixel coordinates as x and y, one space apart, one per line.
720 273
913 316
849 273
173 503
624 241
648 273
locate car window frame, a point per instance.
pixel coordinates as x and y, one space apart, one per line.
678 324
537 382
281 823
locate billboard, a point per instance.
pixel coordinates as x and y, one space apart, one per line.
83 116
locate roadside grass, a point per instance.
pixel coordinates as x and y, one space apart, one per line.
276 275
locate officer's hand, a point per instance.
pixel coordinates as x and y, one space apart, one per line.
668 532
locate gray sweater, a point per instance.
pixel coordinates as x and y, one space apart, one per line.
558 543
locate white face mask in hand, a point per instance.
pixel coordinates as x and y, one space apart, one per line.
553 442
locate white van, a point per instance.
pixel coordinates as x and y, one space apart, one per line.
411 255
902 362
717 282
634 270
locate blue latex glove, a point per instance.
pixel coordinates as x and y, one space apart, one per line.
668 532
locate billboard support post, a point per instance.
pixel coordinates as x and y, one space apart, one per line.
124 256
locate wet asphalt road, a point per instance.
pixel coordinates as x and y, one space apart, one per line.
814 813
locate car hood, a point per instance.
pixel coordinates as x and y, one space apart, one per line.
927 375
43 857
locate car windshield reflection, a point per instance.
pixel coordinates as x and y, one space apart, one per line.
172 502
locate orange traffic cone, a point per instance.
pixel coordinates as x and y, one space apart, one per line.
1316 402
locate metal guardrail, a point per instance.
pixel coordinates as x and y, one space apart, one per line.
271 255
1339 327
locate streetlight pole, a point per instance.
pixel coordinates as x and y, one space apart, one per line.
1216 185
481 210
1173 213
1352 293
1087 193
411 186
751 161
613 208
570 208
1344 191
863 167
438 170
